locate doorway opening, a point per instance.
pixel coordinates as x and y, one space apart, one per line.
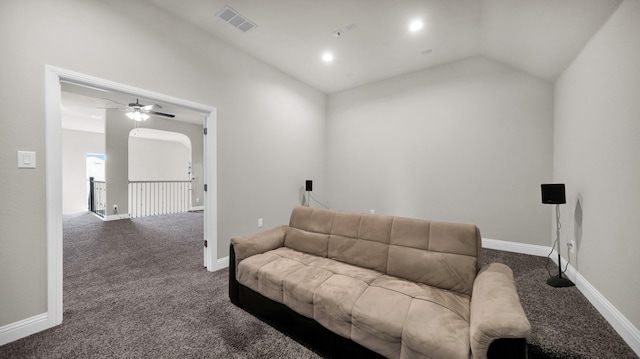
54 78
94 177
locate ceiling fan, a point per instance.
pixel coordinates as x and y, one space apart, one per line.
139 112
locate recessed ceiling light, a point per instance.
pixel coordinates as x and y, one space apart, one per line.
415 25
327 57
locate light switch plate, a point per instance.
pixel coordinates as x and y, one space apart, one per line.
26 159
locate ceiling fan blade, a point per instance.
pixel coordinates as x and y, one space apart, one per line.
110 100
161 114
144 107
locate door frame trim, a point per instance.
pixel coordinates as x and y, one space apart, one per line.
53 146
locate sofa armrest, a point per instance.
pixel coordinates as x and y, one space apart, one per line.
246 246
260 242
496 311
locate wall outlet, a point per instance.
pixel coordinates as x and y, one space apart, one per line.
572 246
371 211
197 200
260 223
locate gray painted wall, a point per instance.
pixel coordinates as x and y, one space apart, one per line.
158 160
270 126
195 134
117 128
597 143
469 141
75 145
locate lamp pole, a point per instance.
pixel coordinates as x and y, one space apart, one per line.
559 281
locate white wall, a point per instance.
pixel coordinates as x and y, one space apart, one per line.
469 141
116 165
75 145
158 160
597 147
195 134
270 126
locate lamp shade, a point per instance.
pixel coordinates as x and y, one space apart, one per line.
553 193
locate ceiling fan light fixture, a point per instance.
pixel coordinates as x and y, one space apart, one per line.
137 116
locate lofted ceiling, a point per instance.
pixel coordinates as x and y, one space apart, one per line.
540 37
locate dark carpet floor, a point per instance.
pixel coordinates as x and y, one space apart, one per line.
564 324
137 289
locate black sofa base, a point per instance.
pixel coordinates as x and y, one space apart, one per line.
321 340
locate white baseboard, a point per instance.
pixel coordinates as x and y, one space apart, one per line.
23 328
115 217
221 263
515 247
196 208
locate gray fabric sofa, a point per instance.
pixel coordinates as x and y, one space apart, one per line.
399 287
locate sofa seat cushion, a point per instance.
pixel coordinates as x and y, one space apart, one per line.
299 288
378 320
362 274
265 272
292 278
334 300
392 316
399 318
247 271
432 331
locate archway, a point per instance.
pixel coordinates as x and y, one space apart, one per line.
160 172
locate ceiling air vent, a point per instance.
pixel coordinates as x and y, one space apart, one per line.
234 18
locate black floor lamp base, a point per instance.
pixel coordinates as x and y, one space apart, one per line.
559 282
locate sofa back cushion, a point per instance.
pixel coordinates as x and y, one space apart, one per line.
444 255
441 254
309 230
361 240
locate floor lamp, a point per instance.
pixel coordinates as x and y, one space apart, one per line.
554 194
